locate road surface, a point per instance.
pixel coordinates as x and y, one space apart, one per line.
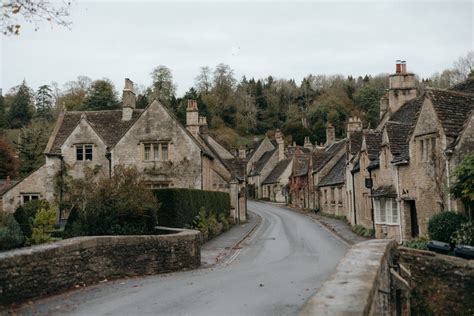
278 267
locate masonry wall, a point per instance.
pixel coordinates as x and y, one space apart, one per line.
363 201
440 285
46 269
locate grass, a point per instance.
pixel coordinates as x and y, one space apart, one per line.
362 231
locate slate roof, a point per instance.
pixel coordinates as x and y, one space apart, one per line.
300 167
253 148
408 112
398 134
465 86
237 167
5 186
384 191
452 108
262 162
355 142
274 176
108 124
336 175
321 159
373 141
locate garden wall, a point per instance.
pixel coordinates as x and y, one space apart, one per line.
440 285
46 269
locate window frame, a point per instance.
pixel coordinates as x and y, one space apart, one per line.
391 211
84 150
150 151
37 196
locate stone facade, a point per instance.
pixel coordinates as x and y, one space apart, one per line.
46 269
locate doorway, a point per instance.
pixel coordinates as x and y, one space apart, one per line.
415 230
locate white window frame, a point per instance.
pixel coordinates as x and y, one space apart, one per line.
387 211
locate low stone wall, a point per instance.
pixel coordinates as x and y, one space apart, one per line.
360 284
440 285
45 269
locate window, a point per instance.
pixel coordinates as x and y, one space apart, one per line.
84 152
158 185
155 151
25 198
332 196
386 211
427 148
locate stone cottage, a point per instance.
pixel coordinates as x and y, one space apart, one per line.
168 154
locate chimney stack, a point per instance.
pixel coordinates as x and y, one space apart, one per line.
402 88
330 134
242 153
354 125
128 100
307 143
192 117
398 66
280 144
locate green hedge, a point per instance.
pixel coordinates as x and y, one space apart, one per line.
179 207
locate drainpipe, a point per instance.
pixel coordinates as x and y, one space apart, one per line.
399 203
372 202
202 170
354 199
61 188
109 158
447 155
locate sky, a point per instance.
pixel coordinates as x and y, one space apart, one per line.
285 39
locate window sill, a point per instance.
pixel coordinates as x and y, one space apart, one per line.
387 224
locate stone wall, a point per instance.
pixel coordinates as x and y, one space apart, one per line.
46 269
360 284
440 285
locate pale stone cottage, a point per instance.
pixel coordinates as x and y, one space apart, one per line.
151 139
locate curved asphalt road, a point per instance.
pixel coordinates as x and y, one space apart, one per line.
278 268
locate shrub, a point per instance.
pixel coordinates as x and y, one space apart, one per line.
34 206
120 205
42 226
464 235
180 207
442 226
362 231
24 221
11 235
417 243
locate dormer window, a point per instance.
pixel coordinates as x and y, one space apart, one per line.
84 152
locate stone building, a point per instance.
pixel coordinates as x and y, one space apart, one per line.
151 139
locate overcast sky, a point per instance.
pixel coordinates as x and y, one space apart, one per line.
284 39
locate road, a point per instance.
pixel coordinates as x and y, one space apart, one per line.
277 268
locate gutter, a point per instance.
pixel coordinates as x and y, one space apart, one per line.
448 154
399 203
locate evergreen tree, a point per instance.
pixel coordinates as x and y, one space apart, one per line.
3 118
8 161
44 102
20 112
101 95
31 145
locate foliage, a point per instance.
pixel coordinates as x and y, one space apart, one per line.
32 11
464 235
417 243
43 225
463 186
23 220
443 225
179 207
3 117
9 164
163 88
32 207
101 95
21 108
11 235
121 205
44 102
362 231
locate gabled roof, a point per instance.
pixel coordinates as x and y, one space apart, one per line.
336 175
300 167
398 134
355 142
373 142
274 176
320 159
262 161
452 109
408 112
108 125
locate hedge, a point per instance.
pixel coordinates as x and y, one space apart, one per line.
179 207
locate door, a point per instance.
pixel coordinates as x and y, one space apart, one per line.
415 231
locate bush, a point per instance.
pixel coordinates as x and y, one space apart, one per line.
180 207
23 220
120 205
464 235
442 226
34 206
417 243
362 231
42 226
11 235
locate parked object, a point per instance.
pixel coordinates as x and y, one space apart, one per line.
439 247
464 251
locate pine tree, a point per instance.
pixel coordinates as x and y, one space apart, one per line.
8 161
31 145
101 95
20 112
3 114
44 102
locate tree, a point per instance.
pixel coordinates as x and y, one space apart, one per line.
3 115
367 99
163 88
32 11
203 81
101 95
31 145
463 186
20 112
8 162
464 66
44 102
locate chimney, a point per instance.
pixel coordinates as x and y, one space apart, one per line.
128 100
281 145
192 117
384 104
307 143
330 134
203 125
8 181
402 87
398 66
242 153
354 125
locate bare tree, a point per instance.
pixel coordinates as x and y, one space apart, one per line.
464 66
15 12
203 81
